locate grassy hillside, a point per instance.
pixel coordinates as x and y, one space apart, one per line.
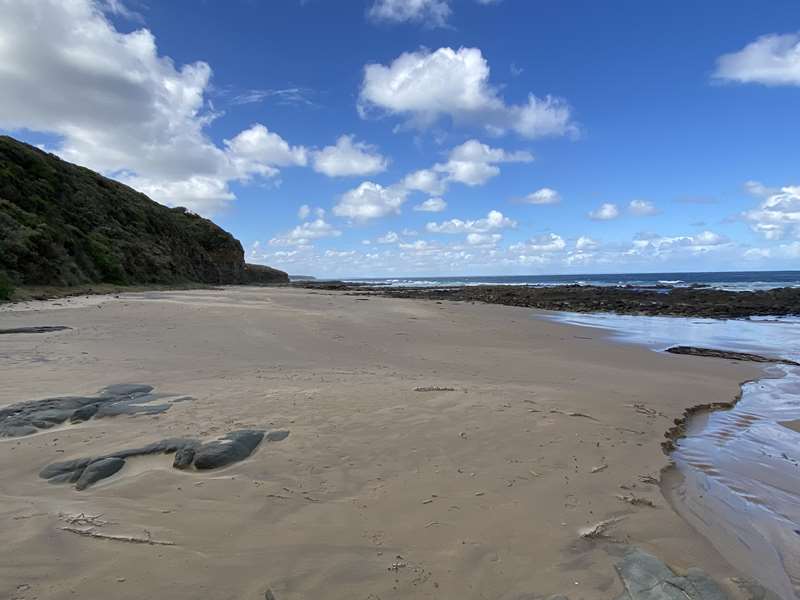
64 225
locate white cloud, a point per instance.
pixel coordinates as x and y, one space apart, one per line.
425 86
120 107
370 201
431 205
303 212
483 239
770 60
586 243
778 215
473 163
758 189
432 13
348 157
642 208
304 234
429 13
390 238
657 245
606 212
493 221
550 242
424 180
543 196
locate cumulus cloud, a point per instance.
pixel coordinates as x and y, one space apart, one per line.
121 108
586 243
304 234
389 238
656 245
770 60
473 163
483 239
370 201
425 86
425 180
642 208
758 189
778 215
432 13
431 205
543 196
429 13
303 212
549 242
348 157
606 212
494 220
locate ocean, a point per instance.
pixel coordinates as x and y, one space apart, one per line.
727 280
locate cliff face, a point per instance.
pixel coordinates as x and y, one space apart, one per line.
61 224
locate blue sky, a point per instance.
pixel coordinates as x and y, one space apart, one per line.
433 137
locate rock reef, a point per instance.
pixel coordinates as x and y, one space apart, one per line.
743 356
26 418
231 448
656 300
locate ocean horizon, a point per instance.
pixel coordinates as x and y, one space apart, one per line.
725 280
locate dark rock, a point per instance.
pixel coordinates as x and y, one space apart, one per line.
234 447
183 458
744 356
84 413
231 448
260 274
97 470
25 418
278 435
42 329
645 577
687 302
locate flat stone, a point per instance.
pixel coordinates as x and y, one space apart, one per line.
26 418
39 329
97 470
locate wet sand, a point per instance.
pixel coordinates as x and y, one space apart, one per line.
380 491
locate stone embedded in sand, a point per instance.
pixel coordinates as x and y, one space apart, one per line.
183 458
40 329
232 448
645 577
97 470
26 418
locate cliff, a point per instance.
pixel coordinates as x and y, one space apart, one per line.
63 225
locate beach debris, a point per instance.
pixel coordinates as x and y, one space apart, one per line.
649 479
599 468
26 418
230 448
131 539
431 524
38 329
434 388
600 529
82 519
269 595
573 414
646 577
636 500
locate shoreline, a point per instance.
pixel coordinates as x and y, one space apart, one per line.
636 524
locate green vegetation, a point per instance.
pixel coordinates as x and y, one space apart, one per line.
6 287
63 225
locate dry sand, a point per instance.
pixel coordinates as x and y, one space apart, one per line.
380 491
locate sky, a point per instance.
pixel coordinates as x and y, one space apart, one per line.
388 138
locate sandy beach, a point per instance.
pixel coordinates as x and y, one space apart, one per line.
436 450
